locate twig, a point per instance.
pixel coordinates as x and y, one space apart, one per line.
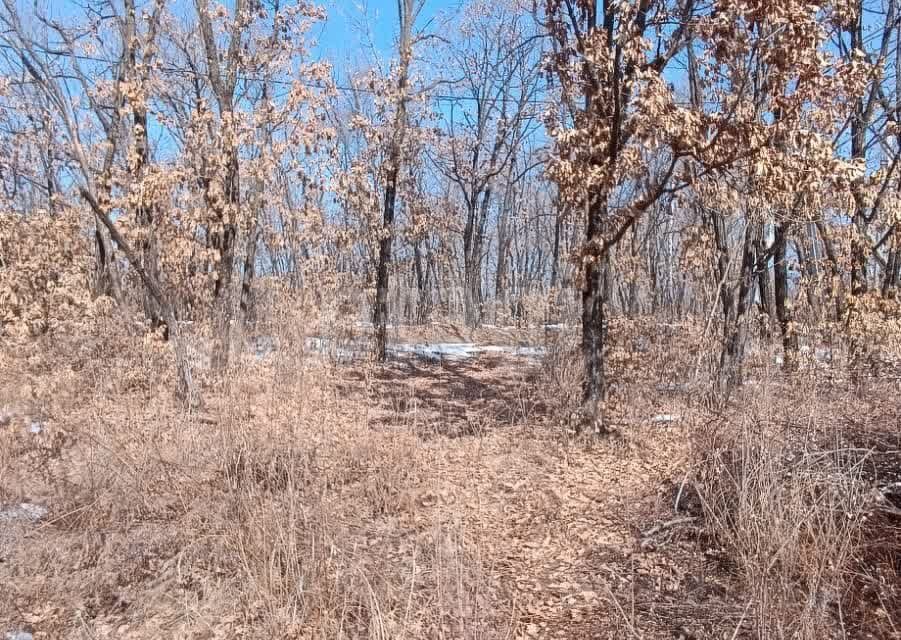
741 621
679 493
663 526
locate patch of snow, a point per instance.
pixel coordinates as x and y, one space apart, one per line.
555 327
264 346
460 350
665 418
36 427
348 351
341 351
18 635
24 512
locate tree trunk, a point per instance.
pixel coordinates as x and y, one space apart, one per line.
423 301
727 300
380 312
859 123
784 311
224 243
892 268
735 331
501 280
807 257
472 293
764 286
473 237
247 302
595 291
106 277
836 275
147 246
406 17
555 258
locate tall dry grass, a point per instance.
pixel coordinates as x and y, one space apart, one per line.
278 509
790 515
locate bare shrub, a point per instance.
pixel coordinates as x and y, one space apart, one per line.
559 381
790 517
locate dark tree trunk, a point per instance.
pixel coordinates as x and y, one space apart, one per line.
501 280
632 300
406 16
726 295
764 286
555 258
380 312
147 247
105 276
836 275
892 268
859 122
224 243
732 355
595 291
247 302
806 250
423 301
784 312
473 239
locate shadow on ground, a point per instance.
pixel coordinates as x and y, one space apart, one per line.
453 398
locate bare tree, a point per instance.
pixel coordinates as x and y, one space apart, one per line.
94 180
497 59
407 13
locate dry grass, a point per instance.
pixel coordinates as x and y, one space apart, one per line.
316 500
791 518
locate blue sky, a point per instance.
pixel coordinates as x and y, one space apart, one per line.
356 29
353 27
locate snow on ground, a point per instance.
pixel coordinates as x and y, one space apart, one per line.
346 351
460 350
24 512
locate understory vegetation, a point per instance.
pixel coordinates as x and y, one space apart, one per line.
519 319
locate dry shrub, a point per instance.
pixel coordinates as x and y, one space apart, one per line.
790 516
558 385
44 266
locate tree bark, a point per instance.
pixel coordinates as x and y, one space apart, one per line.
764 286
891 276
473 240
806 248
784 311
595 291
406 17
729 375
248 274
380 312
106 277
423 300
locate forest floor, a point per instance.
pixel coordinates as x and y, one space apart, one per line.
315 500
